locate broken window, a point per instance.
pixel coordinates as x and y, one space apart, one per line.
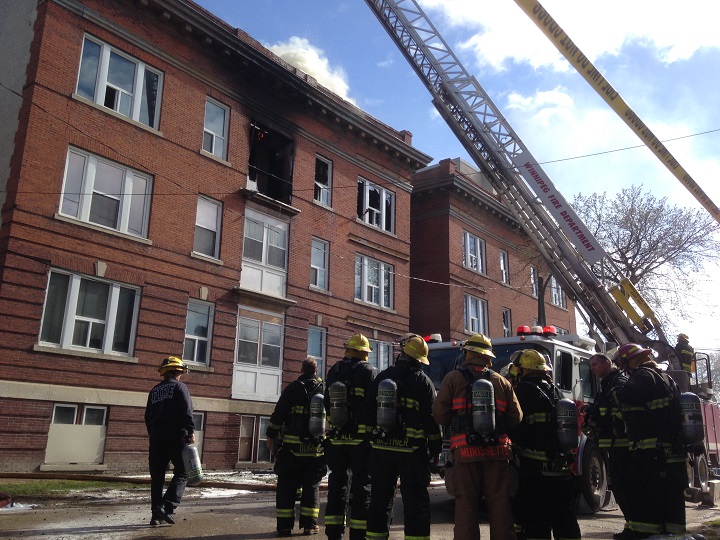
271 163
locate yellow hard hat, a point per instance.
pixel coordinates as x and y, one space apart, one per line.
415 347
532 360
358 342
479 343
172 363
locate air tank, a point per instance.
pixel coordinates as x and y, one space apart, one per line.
566 414
483 407
193 468
691 421
339 409
387 404
316 424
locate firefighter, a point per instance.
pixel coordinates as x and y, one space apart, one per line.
605 425
657 475
481 462
169 422
406 440
685 354
546 492
300 462
348 445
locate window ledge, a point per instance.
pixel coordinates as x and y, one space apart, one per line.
323 205
212 156
206 258
98 228
263 297
85 354
269 202
200 368
73 467
117 115
374 228
374 306
320 290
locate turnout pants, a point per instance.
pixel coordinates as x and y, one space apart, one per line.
296 473
164 450
620 470
414 473
348 488
547 505
473 480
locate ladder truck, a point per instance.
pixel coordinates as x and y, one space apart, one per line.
614 315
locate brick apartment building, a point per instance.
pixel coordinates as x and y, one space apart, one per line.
472 258
169 186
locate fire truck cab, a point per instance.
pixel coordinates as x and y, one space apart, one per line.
568 356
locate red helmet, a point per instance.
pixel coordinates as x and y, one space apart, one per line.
630 353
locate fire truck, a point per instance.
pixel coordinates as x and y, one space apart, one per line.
612 309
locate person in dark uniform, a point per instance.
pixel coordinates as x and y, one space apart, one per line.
405 441
480 467
347 444
685 353
299 463
657 473
546 492
605 425
169 421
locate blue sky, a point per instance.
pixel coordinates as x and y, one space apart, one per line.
661 58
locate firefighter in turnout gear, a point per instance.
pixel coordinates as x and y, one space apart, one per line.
480 461
347 447
657 473
299 463
685 353
546 492
405 440
605 425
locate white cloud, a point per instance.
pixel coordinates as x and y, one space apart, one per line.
301 54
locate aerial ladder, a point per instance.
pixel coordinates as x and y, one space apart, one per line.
617 314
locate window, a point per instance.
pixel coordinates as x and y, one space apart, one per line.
534 282
94 416
89 314
373 281
119 82
259 342
271 163
504 267
90 415
473 252
563 369
316 347
105 193
64 414
319 263
208 221
198 329
475 312
263 452
247 438
323 180
557 295
381 354
216 128
507 322
264 266
376 205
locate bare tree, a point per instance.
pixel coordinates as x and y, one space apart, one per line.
660 247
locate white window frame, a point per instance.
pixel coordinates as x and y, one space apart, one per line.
317 339
507 322
261 275
382 218
94 407
322 193
68 406
504 266
102 84
263 422
320 249
81 195
557 295
475 315
474 262
70 318
265 326
196 339
208 223
218 141
534 282
381 356
380 294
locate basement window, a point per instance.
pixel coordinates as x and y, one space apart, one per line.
271 163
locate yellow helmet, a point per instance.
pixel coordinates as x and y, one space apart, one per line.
532 360
358 342
479 343
684 337
172 363
415 347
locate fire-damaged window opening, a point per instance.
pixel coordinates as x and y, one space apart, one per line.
271 163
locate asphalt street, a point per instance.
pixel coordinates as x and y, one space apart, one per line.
228 514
